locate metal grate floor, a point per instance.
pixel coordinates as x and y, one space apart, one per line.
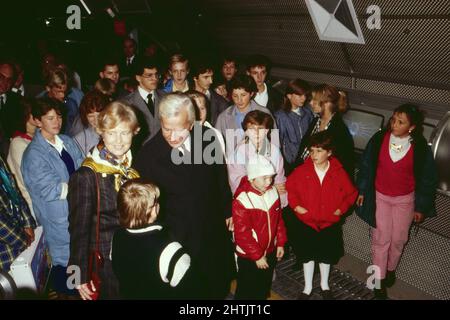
289 282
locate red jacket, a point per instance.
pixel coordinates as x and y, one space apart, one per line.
258 223
321 201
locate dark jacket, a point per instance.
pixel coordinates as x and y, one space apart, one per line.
218 104
195 201
128 71
293 127
342 141
275 99
82 200
425 175
143 260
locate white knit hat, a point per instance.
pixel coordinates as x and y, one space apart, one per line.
258 166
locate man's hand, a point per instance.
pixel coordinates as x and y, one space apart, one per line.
262 263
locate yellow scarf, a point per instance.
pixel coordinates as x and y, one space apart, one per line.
121 174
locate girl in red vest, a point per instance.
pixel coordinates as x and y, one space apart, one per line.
397 183
320 192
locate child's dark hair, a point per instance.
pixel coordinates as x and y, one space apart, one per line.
219 80
258 118
258 60
296 86
146 63
243 81
93 101
415 117
322 139
45 105
25 106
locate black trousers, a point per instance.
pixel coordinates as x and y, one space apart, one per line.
254 283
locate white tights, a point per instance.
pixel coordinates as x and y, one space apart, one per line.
308 270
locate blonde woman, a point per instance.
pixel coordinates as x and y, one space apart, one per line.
330 104
109 162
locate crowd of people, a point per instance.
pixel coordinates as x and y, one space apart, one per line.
176 181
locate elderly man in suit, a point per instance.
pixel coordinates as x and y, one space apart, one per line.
195 196
146 101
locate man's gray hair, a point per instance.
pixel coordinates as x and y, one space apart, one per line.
173 103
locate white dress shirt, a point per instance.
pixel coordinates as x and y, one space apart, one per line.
262 98
144 93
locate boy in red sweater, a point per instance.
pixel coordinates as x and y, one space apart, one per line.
319 193
259 230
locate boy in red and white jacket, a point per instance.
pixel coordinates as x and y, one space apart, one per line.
319 192
259 230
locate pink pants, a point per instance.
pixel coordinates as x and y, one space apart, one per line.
394 216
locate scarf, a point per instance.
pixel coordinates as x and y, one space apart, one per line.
101 160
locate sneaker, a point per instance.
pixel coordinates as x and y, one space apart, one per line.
303 296
390 279
327 295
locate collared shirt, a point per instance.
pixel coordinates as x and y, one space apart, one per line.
58 145
184 89
130 60
186 145
144 93
297 111
21 88
262 98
